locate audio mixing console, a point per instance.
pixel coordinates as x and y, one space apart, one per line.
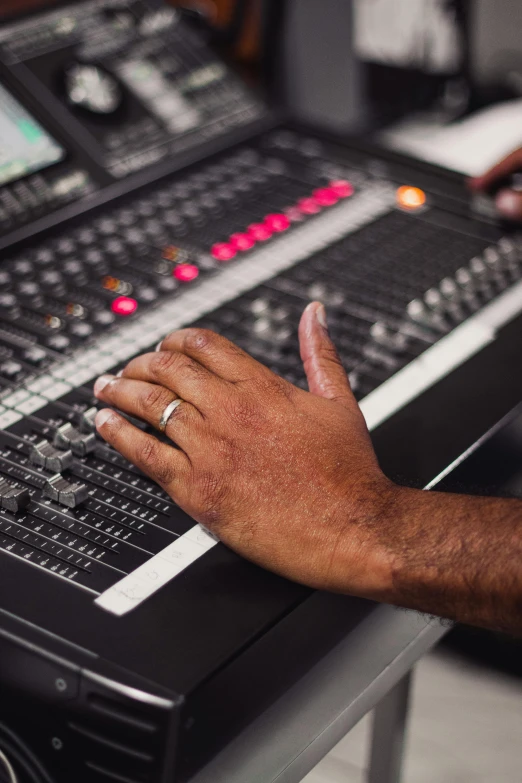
259 233
135 624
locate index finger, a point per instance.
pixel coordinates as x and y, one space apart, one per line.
215 353
505 168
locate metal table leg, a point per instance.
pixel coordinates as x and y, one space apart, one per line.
389 733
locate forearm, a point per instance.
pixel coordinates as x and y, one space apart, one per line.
455 556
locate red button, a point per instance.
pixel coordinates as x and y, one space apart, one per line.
224 251
242 242
124 305
277 223
260 232
342 187
326 197
309 206
185 273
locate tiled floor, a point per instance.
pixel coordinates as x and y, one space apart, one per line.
465 727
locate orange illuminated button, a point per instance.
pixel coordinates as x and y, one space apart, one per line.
124 305
411 198
170 253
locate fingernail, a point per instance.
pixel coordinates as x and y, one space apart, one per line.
320 314
101 383
103 416
509 203
158 347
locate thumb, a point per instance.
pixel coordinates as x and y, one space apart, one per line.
324 371
509 204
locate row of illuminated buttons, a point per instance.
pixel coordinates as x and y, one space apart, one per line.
126 305
408 198
277 223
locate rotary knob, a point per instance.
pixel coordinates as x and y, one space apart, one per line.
92 88
388 338
420 312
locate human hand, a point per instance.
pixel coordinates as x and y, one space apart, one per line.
284 477
508 201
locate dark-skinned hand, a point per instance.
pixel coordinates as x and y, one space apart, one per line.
286 478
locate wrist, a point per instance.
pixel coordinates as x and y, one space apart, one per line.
365 557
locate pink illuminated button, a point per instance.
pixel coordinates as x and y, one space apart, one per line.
342 188
124 305
326 197
223 251
186 273
309 206
260 232
294 214
242 242
277 223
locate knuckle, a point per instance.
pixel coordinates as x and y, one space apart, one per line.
163 363
153 461
198 339
273 387
149 453
330 353
153 397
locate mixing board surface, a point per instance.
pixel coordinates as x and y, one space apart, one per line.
259 233
144 188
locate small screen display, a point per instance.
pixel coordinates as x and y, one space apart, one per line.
25 147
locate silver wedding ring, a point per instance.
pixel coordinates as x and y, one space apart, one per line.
167 413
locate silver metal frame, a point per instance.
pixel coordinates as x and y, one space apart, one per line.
287 741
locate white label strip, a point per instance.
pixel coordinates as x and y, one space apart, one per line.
156 572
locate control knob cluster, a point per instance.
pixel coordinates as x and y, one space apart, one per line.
447 305
456 298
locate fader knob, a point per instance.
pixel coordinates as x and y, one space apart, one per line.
13 498
47 456
67 437
61 491
87 420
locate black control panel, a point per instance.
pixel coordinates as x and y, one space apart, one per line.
260 232
133 646
116 86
